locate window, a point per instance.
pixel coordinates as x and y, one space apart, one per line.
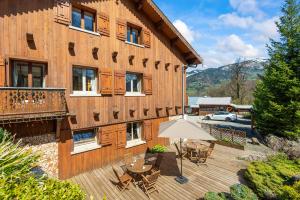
85 140
28 74
133 83
84 80
133 133
83 19
84 137
133 35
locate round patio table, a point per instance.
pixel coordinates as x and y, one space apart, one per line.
137 172
142 170
195 146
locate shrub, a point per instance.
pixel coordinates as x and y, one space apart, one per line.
242 192
13 158
213 196
268 178
158 149
17 181
32 188
290 192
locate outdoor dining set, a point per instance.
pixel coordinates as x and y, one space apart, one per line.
139 171
195 151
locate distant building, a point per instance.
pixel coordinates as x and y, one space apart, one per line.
206 105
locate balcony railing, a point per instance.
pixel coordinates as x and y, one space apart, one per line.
27 104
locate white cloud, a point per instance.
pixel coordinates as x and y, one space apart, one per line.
261 30
246 7
236 45
268 28
232 19
186 31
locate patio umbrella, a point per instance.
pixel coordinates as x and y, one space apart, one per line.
180 129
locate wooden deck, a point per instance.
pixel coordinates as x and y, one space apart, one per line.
221 171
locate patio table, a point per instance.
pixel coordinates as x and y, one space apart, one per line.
137 171
196 146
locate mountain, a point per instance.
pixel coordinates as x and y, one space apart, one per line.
198 81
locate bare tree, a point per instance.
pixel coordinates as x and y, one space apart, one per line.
238 80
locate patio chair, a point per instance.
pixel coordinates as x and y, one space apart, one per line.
128 158
124 180
149 183
193 155
202 157
211 148
156 166
184 152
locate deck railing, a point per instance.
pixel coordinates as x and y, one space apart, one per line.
21 103
226 134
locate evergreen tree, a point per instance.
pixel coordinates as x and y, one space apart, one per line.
277 95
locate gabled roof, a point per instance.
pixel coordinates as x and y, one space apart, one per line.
196 101
165 26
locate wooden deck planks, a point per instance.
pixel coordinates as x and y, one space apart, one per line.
221 171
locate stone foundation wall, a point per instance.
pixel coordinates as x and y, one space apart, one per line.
47 147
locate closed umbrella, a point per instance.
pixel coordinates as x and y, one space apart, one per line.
183 128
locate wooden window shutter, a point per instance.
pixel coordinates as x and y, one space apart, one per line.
121 136
2 72
106 135
120 82
121 30
62 10
147 130
103 24
147 84
146 38
106 85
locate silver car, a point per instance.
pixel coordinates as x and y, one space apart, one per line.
222 116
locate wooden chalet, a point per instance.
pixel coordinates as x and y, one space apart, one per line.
95 76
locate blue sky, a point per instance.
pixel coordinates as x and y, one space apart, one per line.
223 30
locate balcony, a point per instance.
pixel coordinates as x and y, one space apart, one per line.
31 104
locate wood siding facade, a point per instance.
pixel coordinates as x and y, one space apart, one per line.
40 31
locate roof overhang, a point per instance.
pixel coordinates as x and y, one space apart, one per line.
161 22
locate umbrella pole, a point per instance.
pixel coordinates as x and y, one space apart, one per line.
181 179
180 157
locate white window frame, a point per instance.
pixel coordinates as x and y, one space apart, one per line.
139 86
86 146
94 85
135 142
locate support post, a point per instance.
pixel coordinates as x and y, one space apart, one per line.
58 126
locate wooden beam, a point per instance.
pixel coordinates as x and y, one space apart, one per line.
139 4
174 41
187 55
191 61
159 25
58 127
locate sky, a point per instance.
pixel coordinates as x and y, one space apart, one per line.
223 30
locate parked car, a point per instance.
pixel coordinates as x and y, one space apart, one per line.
221 115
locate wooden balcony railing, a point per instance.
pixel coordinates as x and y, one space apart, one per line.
27 104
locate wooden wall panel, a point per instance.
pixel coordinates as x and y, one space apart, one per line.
70 165
51 41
